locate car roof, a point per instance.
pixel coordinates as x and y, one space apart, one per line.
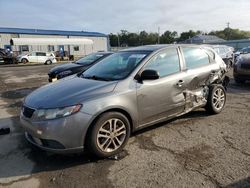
217 46
104 52
152 48
39 52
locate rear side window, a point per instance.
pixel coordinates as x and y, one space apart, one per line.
166 62
40 54
195 57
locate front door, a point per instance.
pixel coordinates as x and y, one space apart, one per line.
32 57
161 98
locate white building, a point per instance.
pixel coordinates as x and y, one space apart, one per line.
100 41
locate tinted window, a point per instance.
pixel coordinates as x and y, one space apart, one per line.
116 66
40 54
89 59
246 50
195 57
165 62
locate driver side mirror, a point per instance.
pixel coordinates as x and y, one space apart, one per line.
150 75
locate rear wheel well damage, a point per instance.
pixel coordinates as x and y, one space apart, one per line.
196 97
110 110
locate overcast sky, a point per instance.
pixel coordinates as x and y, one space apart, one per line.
133 15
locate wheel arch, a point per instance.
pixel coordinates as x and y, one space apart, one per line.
120 110
25 59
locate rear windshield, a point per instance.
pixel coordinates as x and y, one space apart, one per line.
89 59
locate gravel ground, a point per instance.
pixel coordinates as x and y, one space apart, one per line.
195 150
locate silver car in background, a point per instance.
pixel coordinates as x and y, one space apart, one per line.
125 92
226 53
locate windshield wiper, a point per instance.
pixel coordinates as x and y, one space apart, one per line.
96 78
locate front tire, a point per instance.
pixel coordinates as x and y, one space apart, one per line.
24 60
108 135
216 99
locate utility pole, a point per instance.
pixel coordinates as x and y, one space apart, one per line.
118 39
228 30
158 35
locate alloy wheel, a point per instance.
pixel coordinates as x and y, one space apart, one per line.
218 99
111 135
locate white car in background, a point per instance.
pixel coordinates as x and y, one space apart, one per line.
37 57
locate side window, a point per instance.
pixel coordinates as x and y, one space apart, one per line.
166 62
195 57
40 54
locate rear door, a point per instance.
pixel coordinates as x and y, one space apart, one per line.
199 65
32 57
41 57
161 98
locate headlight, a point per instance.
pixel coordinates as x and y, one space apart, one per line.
46 114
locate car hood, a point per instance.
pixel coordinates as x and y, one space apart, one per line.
67 92
64 67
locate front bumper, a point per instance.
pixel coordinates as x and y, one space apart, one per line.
62 135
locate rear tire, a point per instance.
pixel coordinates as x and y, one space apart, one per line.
108 134
216 99
48 62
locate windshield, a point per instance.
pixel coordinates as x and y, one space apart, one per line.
89 59
115 67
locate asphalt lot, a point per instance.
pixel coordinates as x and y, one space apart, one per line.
196 150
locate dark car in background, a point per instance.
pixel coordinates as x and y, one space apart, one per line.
80 65
242 68
6 56
245 50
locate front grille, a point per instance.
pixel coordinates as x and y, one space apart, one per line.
46 143
245 65
27 112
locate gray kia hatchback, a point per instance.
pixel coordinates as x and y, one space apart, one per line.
127 91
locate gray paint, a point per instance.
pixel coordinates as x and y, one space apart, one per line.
146 102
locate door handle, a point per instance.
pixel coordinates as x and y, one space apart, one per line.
180 83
